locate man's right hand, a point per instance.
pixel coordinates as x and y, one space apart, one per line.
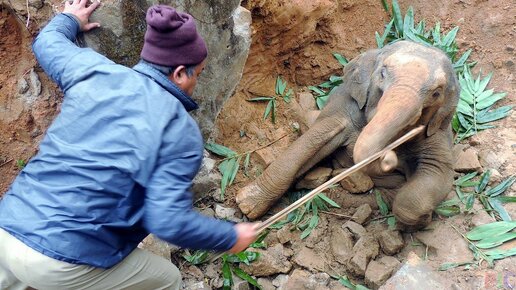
82 13
246 234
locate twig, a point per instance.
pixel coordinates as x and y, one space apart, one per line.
254 150
382 217
1 165
480 252
337 214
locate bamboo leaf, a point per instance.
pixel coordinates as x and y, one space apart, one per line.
385 6
501 254
273 114
494 115
484 180
391 222
467 97
447 266
226 168
321 102
260 99
450 37
408 24
342 60
464 178
505 199
498 207
491 242
328 200
317 90
219 149
384 208
227 277
282 86
398 21
234 170
462 60
483 84
484 103
268 109
491 229
448 211
243 275
470 200
501 187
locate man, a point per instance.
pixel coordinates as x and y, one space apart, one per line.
116 164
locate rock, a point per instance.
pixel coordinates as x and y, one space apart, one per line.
285 235
446 242
303 280
488 159
379 271
467 161
280 281
193 272
309 259
272 261
365 249
390 241
23 86
341 244
195 285
226 30
266 284
208 179
356 229
307 101
362 214
217 195
240 284
208 212
161 248
357 182
211 271
314 178
226 213
415 274
38 4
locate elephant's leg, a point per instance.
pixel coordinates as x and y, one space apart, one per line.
256 198
430 182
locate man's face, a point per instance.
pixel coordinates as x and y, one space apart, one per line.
183 81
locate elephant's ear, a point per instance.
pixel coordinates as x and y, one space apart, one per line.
443 117
357 76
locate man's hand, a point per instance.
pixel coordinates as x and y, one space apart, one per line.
82 13
246 234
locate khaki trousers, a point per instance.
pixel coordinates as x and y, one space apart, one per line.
21 267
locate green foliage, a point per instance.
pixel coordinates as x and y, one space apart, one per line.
470 187
229 166
486 237
384 209
474 110
281 92
347 283
20 163
323 91
306 218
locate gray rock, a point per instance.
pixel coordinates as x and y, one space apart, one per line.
226 213
390 241
341 244
488 159
303 280
207 179
280 281
356 229
195 285
314 178
365 249
272 261
266 284
38 4
309 259
467 161
379 271
285 235
415 274
240 284
357 182
362 214
161 248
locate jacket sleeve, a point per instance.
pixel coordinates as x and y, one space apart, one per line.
168 211
59 56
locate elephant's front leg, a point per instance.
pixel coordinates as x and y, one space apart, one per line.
318 142
430 182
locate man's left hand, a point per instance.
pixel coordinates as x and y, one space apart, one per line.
82 13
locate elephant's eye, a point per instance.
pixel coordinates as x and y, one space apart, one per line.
383 72
436 94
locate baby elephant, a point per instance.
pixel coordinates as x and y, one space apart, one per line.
385 93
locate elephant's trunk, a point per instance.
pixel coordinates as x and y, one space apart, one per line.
397 110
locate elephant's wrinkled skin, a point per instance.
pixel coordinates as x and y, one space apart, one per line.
385 93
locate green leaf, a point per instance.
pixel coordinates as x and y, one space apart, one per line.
501 187
448 211
277 87
498 254
385 6
391 222
491 242
219 149
464 178
345 281
342 60
260 99
408 24
484 180
243 275
489 116
490 100
273 115
246 163
281 85
314 220
226 168
384 208
462 60
197 258
268 109
398 21
321 102
470 200
317 90
491 229
447 266
467 97
465 109
328 200
227 277
234 170
505 199
498 207
450 37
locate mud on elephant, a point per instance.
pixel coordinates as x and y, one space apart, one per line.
385 93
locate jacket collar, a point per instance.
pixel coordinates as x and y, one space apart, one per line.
162 80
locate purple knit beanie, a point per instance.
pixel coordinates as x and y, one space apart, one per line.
171 38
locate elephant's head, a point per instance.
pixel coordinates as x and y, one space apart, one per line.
410 84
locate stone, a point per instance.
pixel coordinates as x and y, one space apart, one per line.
285 235
341 244
379 271
362 214
356 229
226 213
195 285
309 259
446 242
357 182
155 245
194 272
315 178
307 101
365 249
208 212
415 274
272 261
489 159
280 281
303 280
467 161
38 4
240 284
266 284
208 179
391 241
227 31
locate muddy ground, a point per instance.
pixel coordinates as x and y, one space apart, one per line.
295 40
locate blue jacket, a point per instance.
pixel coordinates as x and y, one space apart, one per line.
116 164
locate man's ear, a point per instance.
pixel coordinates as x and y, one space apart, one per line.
179 76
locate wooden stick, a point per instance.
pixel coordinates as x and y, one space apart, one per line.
298 203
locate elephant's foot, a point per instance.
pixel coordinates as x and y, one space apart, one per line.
253 202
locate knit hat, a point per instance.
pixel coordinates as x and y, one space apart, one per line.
171 38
